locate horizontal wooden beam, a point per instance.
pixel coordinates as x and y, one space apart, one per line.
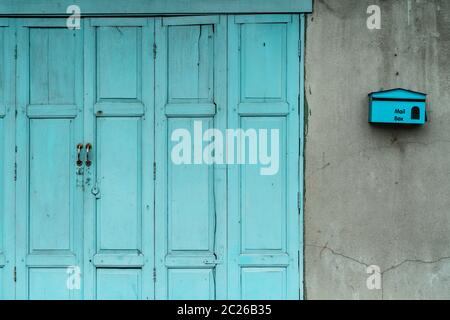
151 7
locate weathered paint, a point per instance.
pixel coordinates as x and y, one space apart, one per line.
191 219
263 211
136 225
49 202
7 156
118 118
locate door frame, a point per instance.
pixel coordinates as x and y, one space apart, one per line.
8 171
154 8
303 117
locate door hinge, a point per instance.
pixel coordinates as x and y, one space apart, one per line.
154 51
298 202
300 49
154 274
154 170
299 146
15 163
15 274
15 52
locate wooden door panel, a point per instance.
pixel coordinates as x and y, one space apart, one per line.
7 160
190 198
49 182
263 212
119 114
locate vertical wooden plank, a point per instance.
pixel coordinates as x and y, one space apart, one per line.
148 158
89 236
160 158
220 170
7 154
264 234
293 152
119 183
198 76
48 231
78 96
233 171
301 178
21 158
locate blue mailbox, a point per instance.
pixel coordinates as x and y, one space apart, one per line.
397 106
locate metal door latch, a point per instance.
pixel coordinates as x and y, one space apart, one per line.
212 261
96 191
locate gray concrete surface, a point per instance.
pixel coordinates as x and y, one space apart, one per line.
376 195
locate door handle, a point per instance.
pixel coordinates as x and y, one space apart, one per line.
79 148
88 150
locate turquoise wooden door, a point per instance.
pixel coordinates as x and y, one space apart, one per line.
49 185
119 116
263 210
7 159
98 193
190 197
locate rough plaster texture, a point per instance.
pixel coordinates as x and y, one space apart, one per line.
376 195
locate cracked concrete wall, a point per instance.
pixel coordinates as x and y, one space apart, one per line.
376 195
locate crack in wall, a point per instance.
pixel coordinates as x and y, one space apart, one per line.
383 272
334 252
399 153
419 261
393 267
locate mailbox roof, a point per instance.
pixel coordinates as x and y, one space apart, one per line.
398 93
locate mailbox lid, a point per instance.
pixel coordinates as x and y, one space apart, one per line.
398 94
